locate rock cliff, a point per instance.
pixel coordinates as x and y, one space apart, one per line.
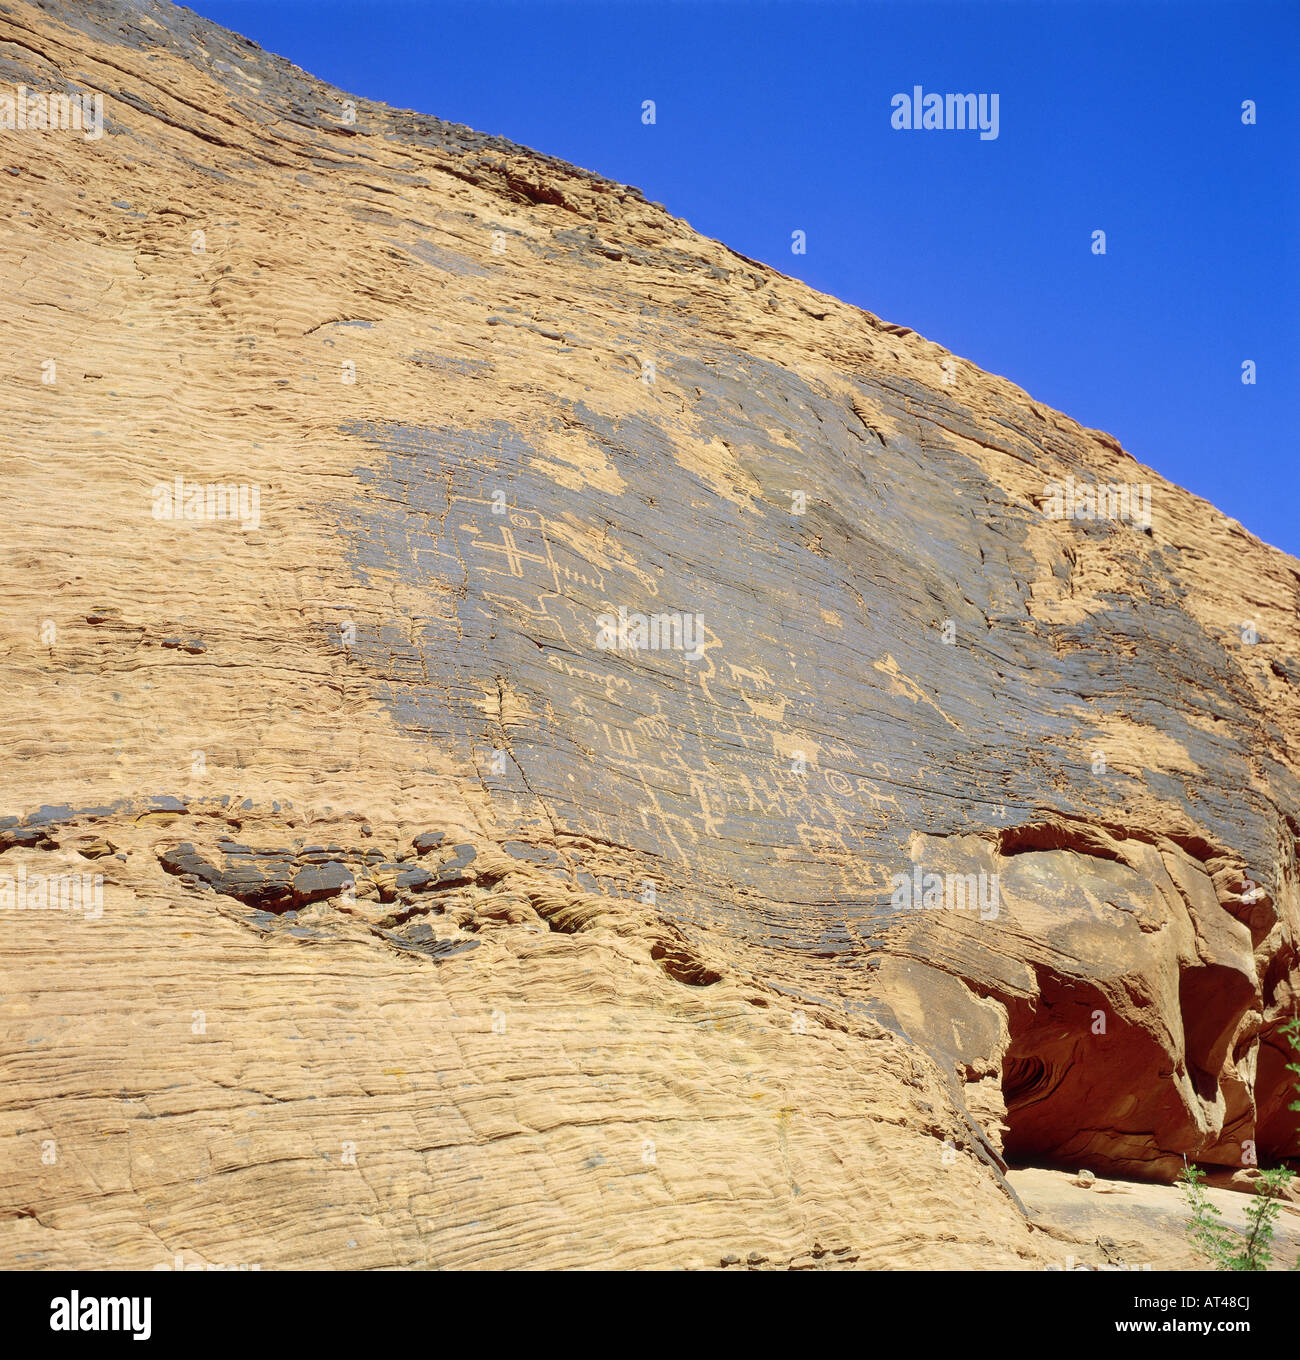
576 749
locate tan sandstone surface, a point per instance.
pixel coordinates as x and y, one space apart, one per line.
434 935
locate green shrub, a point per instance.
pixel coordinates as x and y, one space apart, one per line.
1222 1246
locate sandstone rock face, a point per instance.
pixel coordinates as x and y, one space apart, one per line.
627 769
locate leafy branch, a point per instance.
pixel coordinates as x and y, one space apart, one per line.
1223 1246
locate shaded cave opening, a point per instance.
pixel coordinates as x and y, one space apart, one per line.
1088 1090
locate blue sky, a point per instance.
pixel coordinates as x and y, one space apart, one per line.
774 115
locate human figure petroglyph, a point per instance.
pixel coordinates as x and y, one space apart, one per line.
712 823
782 804
665 819
705 669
